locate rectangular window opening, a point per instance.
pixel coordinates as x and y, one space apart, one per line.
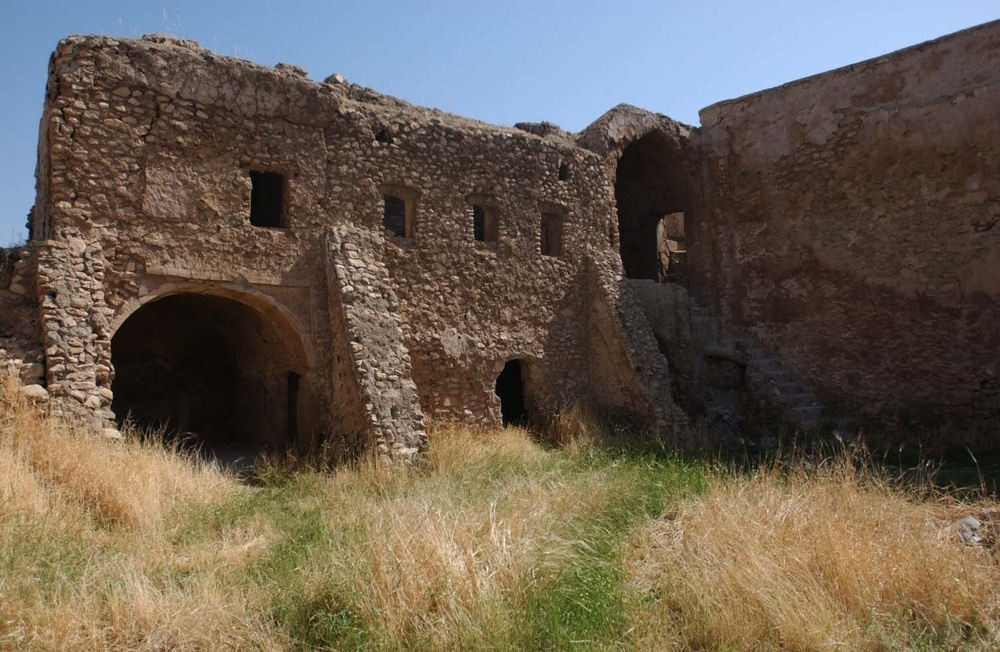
484 223
551 234
394 216
267 199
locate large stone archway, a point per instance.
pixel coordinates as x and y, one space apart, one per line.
652 195
228 370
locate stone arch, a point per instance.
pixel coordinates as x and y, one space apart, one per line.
650 160
227 366
651 191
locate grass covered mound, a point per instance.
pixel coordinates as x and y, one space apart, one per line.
494 542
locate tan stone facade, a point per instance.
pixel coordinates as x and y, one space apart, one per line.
241 252
322 324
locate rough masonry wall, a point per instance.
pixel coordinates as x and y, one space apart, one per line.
76 323
858 214
471 306
627 363
20 336
146 152
372 326
148 181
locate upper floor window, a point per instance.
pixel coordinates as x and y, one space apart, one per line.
551 234
485 226
394 215
398 206
267 199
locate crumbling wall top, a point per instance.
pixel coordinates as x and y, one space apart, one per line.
182 69
609 135
170 39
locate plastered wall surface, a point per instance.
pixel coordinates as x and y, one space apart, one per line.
856 212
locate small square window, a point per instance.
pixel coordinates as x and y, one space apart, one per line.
551 234
484 223
267 199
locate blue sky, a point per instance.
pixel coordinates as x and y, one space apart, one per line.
562 61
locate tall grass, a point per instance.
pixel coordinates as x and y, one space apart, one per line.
83 523
495 541
833 556
50 460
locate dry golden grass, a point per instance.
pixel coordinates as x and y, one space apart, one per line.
131 485
494 542
437 556
831 558
574 429
82 538
454 446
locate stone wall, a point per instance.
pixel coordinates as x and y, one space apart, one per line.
372 327
846 222
75 320
856 214
20 337
145 189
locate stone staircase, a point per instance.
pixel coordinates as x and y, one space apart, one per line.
719 371
766 377
703 325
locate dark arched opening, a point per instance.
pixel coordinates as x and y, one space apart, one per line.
510 390
651 191
213 370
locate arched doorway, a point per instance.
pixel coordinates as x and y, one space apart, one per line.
213 369
509 389
651 191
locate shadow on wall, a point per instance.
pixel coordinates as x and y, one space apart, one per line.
212 369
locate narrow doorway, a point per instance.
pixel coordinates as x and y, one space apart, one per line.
510 390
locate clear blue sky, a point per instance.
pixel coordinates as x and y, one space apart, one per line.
565 61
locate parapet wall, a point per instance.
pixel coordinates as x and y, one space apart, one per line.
858 213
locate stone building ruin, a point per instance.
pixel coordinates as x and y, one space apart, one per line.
237 251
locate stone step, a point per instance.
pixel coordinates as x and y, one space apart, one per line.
784 390
701 325
796 401
724 352
807 415
786 387
778 377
